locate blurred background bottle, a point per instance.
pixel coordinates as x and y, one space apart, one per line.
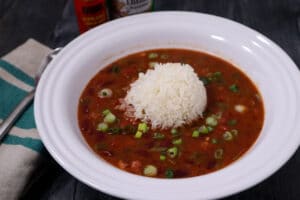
90 13
122 8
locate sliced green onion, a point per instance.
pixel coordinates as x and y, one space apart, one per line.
218 115
227 136
105 112
214 141
196 134
203 129
177 141
214 76
129 129
204 80
234 88
211 121
169 173
232 122
138 134
115 69
150 170
152 64
143 127
234 132
210 129
152 55
114 130
103 127
105 93
162 157
218 154
158 136
174 131
172 152
109 118
164 56
217 74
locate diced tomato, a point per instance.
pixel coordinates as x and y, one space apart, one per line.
122 164
136 167
205 145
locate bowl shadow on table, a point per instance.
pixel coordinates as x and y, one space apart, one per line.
54 182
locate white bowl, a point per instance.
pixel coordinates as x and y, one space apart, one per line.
275 74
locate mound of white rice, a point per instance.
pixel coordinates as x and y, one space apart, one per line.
169 95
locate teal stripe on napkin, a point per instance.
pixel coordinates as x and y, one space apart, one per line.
10 96
19 74
31 143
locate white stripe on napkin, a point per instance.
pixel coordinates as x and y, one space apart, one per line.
14 81
25 132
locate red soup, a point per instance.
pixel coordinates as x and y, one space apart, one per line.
231 123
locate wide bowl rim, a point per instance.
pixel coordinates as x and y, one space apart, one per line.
269 169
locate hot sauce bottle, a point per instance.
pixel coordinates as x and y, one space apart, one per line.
90 13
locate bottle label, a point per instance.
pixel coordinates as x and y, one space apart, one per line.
128 7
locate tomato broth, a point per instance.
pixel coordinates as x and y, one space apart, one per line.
230 124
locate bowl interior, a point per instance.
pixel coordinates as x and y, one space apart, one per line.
258 57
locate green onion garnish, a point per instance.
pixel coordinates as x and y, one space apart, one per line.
105 93
162 157
115 69
177 141
109 118
114 130
210 129
174 131
172 152
103 127
234 132
169 173
227 136
211 121
232 122
234 88
164 56
150 170
217 74
152 64
158 136
105 112
138 134
143 127
196 134
204 80
203 129
218 154
152 55
214 141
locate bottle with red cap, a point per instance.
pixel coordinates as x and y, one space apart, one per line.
90 13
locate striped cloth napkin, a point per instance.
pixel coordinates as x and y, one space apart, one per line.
21 151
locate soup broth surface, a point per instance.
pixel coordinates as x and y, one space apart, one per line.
230 125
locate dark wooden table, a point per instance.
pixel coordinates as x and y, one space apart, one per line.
53 23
